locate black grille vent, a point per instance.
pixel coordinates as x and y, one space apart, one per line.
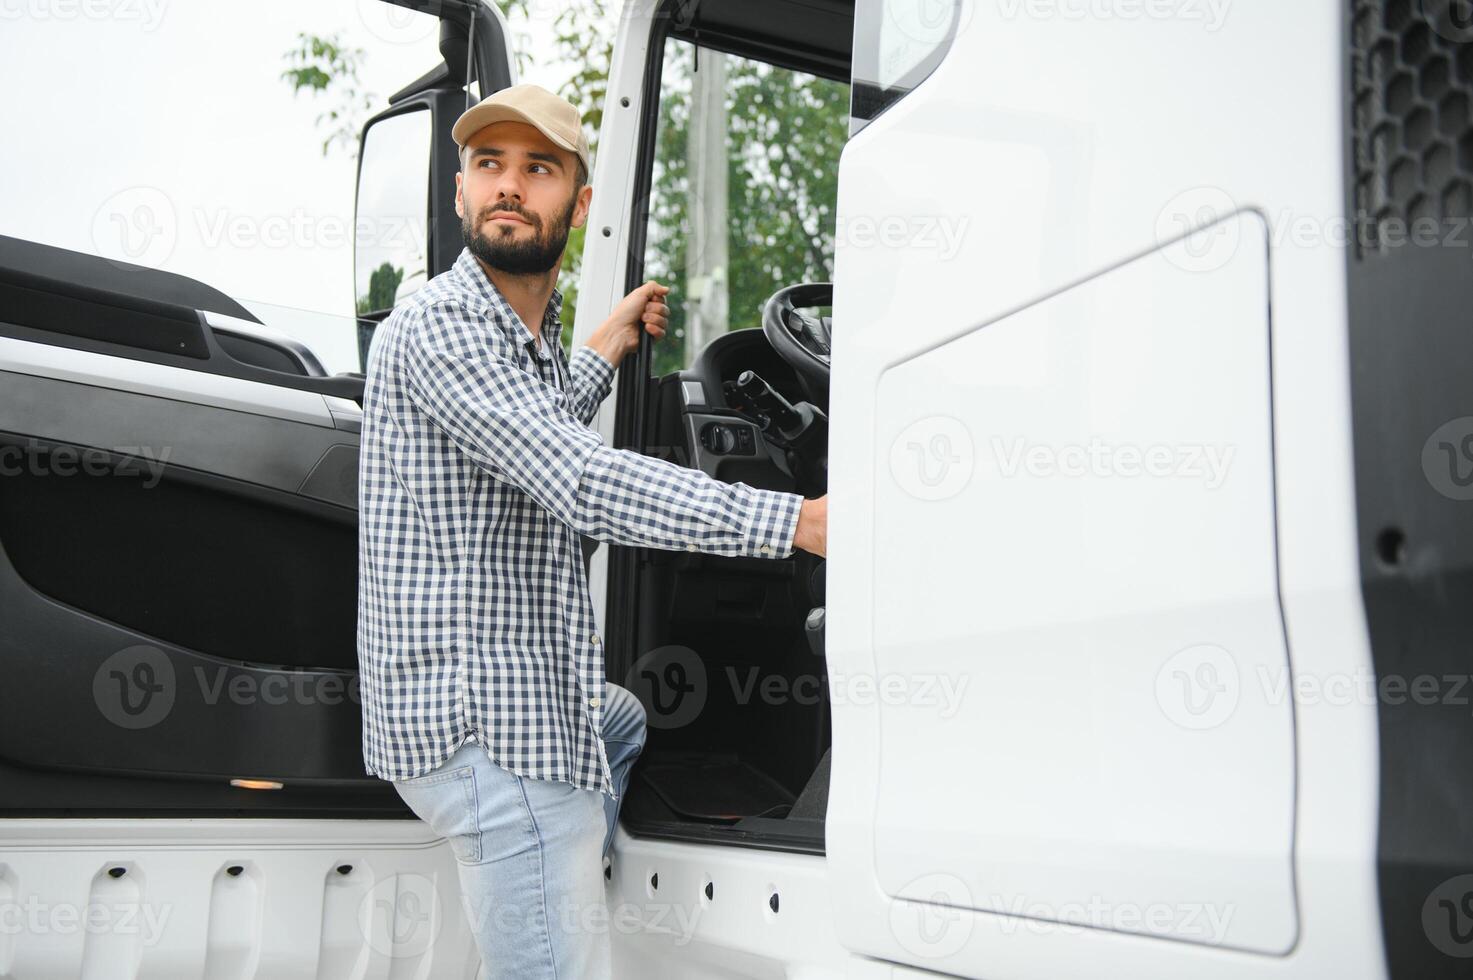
1412 118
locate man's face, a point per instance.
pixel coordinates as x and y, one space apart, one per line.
515 198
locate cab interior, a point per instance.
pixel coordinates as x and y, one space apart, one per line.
727 654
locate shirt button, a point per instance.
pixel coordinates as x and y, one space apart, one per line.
765 549
691 547
594 702
593 639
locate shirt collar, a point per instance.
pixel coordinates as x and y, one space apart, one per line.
501 313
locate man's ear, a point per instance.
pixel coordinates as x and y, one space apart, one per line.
459 200
580 212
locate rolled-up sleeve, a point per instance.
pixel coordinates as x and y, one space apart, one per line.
589 380
522 431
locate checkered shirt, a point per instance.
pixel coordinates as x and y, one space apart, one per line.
478 473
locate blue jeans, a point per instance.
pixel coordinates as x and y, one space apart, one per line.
530 852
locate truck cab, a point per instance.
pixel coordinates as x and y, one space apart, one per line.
1130 342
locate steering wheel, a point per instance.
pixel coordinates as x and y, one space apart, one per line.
800 340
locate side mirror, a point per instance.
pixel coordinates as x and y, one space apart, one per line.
405 230
392 214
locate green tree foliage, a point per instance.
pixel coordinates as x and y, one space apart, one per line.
325 67
786 132
383 283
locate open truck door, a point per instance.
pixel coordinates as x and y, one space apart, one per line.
1071 543
178 570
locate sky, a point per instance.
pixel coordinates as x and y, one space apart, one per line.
160 132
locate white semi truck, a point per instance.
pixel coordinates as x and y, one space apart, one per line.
1141 388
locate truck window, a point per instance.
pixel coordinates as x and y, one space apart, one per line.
897 43
743 193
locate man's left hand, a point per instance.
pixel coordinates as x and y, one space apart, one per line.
642 311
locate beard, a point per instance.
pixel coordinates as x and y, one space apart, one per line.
503 252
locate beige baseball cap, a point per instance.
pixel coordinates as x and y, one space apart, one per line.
553 115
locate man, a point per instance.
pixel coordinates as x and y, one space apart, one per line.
482 674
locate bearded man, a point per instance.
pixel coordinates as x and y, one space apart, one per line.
484 695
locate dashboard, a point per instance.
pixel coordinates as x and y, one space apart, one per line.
699 423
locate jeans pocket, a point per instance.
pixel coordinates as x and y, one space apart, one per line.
446 801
